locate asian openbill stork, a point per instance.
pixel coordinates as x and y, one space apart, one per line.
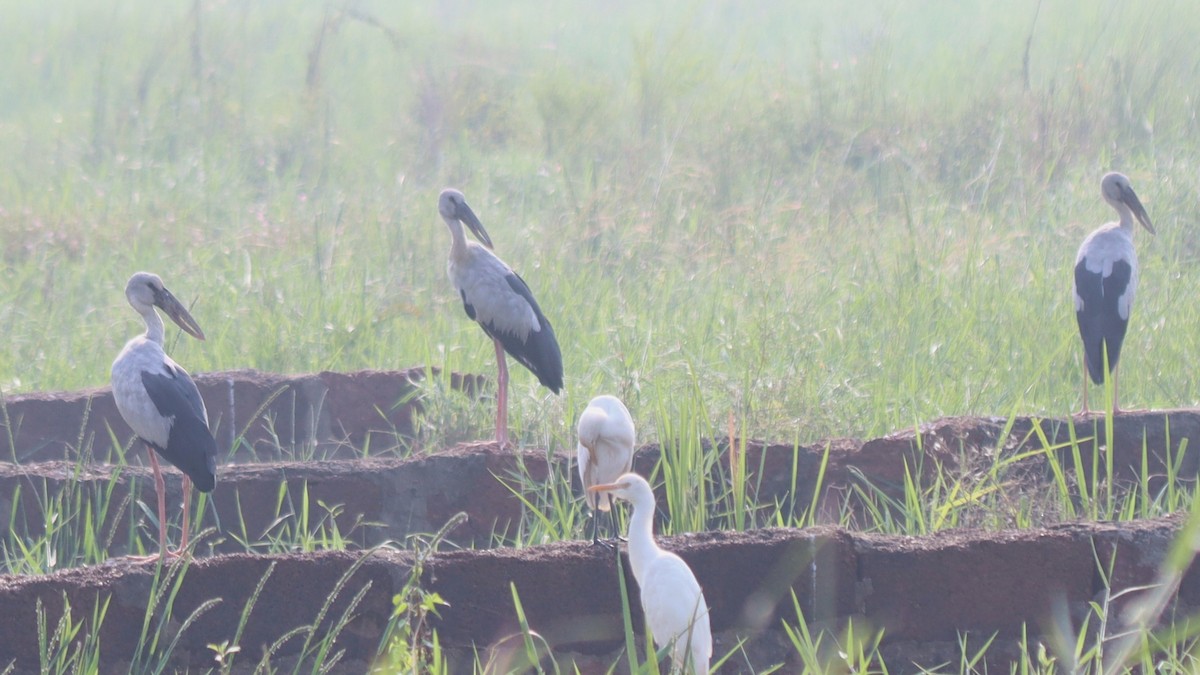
1106 276
672 601
604 452
160 402
501 302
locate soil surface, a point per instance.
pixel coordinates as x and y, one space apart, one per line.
924 592
253 415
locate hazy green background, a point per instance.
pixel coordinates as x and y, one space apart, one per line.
827 218
822 218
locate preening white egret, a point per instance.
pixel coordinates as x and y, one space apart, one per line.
1106 276
161 403
604 452
500 301
672 601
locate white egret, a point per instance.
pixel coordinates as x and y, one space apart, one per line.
604 452
672 601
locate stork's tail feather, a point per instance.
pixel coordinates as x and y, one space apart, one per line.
539 353
193 450
1094 356
546 361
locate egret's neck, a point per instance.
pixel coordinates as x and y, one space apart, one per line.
154 325
642 548
458 244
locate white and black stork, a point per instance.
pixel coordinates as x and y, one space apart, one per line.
161 403
604 453
1106 276
500 301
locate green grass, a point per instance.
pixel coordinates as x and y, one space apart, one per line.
831 221
69 643
789 221
79 523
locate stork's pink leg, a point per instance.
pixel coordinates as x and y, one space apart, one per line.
161 488
1116 408
187 504
501 394
1085 386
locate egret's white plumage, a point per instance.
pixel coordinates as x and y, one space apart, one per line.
159 400
604 452
672 601
1106 277
500 301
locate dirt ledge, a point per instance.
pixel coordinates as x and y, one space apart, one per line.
923 591
415 495
328 414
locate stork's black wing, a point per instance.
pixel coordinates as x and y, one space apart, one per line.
539 351
190 445
1100 321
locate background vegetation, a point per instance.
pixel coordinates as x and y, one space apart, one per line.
830 220
822 219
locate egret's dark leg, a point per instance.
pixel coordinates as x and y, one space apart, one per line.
596 515
501 394
596 527
612 520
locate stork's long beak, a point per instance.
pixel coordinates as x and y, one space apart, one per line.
468 216
1131 199
605 488
178 313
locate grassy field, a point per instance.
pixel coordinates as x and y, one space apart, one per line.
829 222
825 219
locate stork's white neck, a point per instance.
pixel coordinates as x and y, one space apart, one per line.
458 243
1124 214
154 324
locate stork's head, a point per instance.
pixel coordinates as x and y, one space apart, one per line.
146 290
1116 191
453 207
629 487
